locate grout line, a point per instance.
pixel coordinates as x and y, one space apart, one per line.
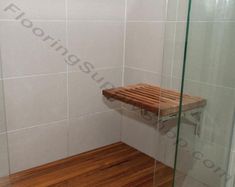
96 113
144 70
35 126
124 44
66 119
173 56
181 21
68 99
174 77
212 21
224 10
147 21
95 21
48 74
96 69
5 114
63 20
124 64
120 21
3 133
209 84
107 68
33 75
34 20
174 45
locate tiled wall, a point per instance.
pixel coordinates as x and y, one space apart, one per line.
55 110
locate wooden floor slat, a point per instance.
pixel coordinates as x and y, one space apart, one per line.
160 101
112 166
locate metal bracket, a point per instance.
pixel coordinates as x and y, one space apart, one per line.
191 117
194 118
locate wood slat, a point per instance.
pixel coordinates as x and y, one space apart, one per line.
116 165
160 101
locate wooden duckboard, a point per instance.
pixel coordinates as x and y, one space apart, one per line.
154 99
113 165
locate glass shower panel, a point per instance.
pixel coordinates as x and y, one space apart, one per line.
166 131
204 151
4 166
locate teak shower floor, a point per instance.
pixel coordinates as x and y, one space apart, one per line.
154 99
115 165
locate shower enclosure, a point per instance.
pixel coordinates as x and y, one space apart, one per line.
51 109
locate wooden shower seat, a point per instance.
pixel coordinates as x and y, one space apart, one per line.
163 102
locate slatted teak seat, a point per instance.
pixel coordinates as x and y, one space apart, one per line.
154 99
